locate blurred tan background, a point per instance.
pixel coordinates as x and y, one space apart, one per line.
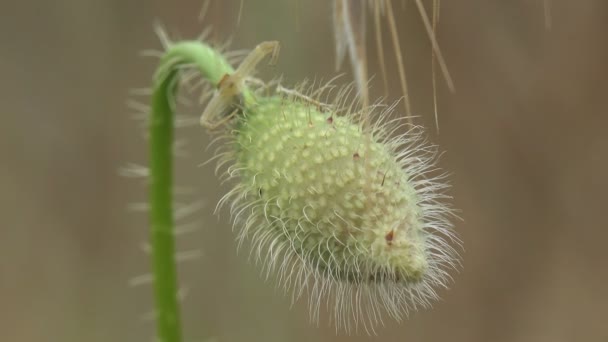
525 137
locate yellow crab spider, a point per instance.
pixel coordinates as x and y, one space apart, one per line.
230 89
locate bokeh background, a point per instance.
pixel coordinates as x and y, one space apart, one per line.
524 134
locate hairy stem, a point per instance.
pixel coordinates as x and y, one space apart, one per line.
212 67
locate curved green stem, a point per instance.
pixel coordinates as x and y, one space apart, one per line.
213 67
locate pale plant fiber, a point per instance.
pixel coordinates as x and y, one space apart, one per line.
350 31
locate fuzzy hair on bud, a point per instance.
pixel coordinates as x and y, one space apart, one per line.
343 214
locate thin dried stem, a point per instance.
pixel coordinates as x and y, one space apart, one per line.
548 18
431 34
379 44
399 57
238 18
349 27
436 4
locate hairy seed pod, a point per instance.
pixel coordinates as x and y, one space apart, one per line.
344 214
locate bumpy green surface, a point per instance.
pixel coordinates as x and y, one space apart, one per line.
338 198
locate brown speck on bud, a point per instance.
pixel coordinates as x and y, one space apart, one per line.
389 237
356 156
